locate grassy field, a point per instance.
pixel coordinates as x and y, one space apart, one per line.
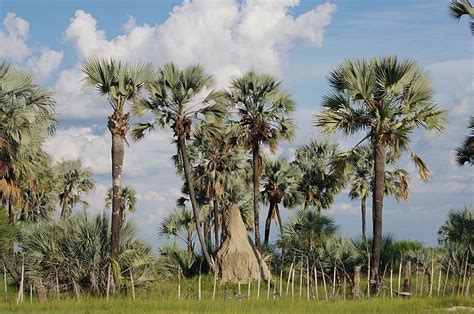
457 305
162 297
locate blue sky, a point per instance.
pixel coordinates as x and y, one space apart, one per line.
299 41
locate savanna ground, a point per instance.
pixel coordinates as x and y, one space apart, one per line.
162 297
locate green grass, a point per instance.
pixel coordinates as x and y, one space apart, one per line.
161 296
241 306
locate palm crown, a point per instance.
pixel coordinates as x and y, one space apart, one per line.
262 107
384 97
321 181
174 99
73 180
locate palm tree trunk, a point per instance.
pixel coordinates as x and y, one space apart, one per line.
9 266
223 227
268 222
216 223
207 231
118 125
190 243
256 194
362 213
64 208
280 223
192 196
377 209
11 214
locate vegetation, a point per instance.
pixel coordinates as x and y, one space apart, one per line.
386 99
58 252
458 8
173 100
262 107
120 83
465 153
72 180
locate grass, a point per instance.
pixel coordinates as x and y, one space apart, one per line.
122 305
161 297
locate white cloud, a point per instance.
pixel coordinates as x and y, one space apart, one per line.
74 100
13 38
14 47
92 146
83 143
226 37
42 66
345 208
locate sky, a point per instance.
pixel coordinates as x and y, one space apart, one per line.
300 42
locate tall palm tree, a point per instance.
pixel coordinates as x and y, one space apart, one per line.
321 181
465 153
280 181
458 8
129 200
174 98
387 99
262 108
360 178
73 180
120 83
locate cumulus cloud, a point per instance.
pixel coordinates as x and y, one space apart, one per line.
14 47
226 37
43 65
92 146
13 38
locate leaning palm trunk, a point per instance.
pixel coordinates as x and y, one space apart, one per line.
64 208
268 222
378 195
256 194
192 196
9 266
118 126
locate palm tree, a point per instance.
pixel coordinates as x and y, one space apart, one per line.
465 153
174 98
306 231
180 224
215 162
73 180
129 200
119 83
458 8
262 108
387 99
76 250
27 118
360 178
321 181
280 183
458 230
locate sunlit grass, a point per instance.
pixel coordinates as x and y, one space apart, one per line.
122 305
162 297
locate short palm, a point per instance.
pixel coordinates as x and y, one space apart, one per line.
73 180
280 181
321 181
